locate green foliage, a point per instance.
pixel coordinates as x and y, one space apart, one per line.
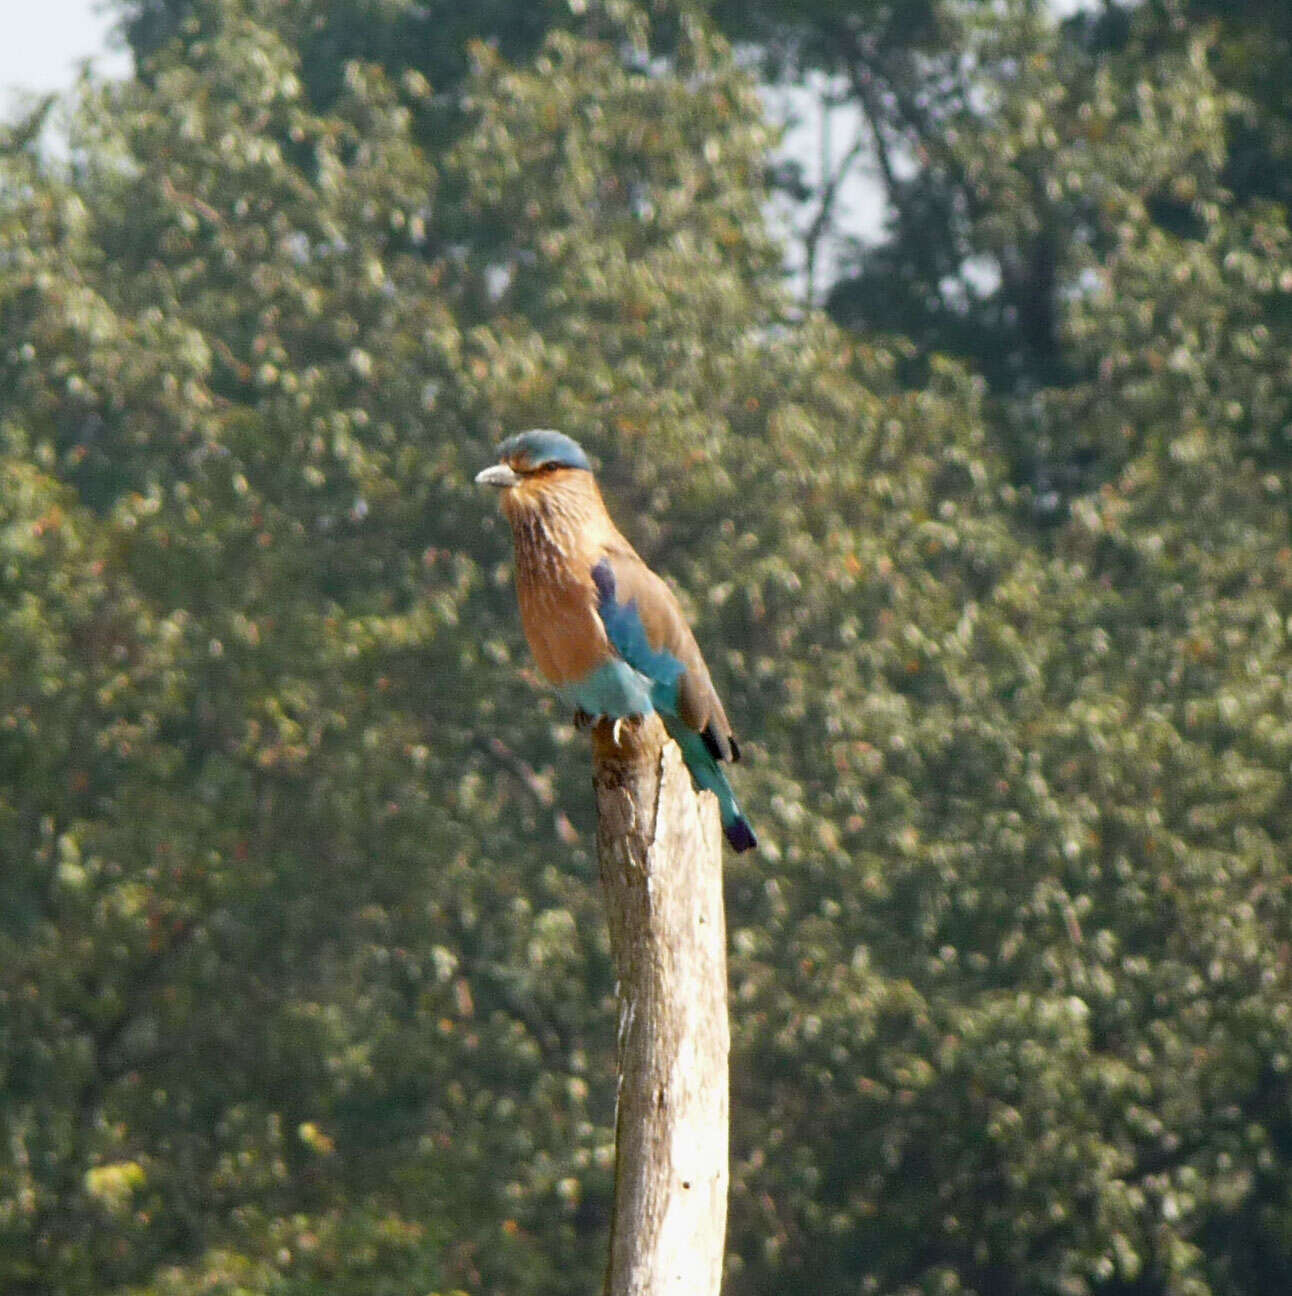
304 985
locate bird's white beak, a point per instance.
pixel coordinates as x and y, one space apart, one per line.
497 475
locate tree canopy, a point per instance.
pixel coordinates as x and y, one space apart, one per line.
304 984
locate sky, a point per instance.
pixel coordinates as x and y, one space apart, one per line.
42 42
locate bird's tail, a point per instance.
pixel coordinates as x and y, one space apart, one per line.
708 775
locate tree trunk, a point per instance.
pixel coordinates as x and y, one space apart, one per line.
660 847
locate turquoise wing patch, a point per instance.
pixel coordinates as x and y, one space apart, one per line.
627 635
615 689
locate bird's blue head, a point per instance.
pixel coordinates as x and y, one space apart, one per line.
539 450
542 448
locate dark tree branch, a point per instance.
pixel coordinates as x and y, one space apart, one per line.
824 217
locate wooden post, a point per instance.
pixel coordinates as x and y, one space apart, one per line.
660 847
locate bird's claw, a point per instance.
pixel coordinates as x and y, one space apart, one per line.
585 720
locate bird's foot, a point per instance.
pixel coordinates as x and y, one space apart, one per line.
583 720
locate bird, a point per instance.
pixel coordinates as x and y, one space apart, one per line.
604 629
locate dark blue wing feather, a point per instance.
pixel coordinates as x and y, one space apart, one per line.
627 634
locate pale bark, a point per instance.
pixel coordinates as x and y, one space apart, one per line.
660 847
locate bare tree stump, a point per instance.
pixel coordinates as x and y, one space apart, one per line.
660 847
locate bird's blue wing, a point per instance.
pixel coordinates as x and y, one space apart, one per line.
663 671
628 637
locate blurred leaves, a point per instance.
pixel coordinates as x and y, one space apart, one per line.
303 978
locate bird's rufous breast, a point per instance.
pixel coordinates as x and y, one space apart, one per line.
557 523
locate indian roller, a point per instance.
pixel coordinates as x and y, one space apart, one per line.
604 628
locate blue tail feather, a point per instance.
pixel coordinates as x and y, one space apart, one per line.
707 774
740 834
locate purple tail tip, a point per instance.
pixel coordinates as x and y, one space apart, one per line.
740 834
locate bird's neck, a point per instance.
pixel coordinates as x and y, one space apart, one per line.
559 523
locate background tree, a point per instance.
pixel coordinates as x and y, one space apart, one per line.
305 986
301 1035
